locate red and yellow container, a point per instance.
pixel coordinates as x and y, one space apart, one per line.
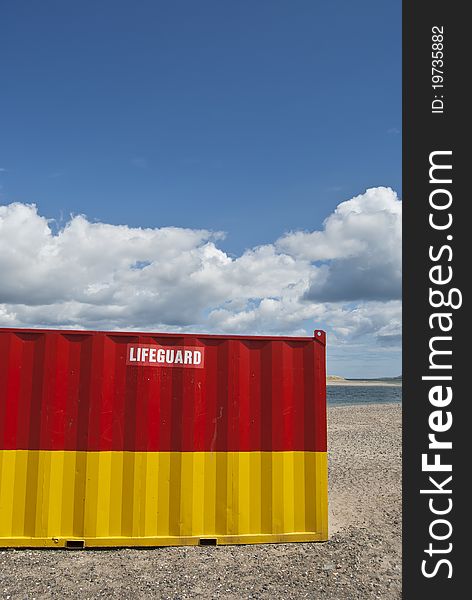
140 439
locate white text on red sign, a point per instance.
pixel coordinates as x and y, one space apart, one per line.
159 356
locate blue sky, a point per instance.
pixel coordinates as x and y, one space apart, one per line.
253 117
250 117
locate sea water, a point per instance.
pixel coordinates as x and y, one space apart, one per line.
359 394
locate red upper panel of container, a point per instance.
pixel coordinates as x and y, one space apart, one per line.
69 390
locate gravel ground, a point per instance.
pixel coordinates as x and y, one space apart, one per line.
361 560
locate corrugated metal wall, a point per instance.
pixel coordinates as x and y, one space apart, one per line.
115 454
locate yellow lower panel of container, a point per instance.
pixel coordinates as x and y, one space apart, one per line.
64 498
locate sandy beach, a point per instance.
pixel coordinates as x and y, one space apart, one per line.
361 560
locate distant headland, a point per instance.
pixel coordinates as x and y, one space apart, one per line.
337 380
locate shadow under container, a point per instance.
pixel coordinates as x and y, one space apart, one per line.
143 439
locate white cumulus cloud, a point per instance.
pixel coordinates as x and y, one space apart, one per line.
344 278
360 246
